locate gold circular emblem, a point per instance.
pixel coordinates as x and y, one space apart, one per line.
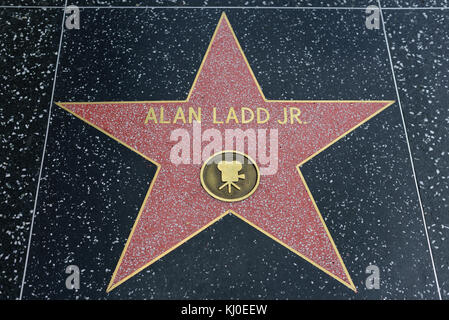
230 176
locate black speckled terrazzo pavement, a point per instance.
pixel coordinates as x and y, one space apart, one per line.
29 49
91 187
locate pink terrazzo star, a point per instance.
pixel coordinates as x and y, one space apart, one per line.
176 206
